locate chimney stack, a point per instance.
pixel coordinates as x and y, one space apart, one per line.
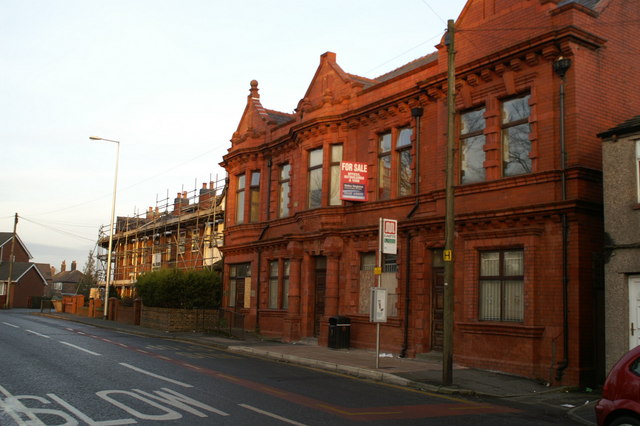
207 196
180 203
73 265
63 266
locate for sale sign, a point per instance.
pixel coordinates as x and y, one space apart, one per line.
353 181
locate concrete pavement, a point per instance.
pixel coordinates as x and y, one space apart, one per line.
424 373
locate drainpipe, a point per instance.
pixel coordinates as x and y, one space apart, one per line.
560 67
264 231
407 298
417 113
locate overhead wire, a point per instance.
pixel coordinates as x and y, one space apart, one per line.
416 46
60 231
125 188
434 12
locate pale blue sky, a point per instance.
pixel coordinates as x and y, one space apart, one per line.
169 79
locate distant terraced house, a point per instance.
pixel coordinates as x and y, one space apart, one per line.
186 234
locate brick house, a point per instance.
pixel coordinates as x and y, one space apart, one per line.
536 81
184 235
66 283
621 177
28 280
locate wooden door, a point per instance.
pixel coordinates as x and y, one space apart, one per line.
437 309
240 293
320 278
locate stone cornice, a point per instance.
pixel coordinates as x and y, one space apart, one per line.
547 46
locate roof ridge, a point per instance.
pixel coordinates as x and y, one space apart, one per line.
273 111
422 60
359 77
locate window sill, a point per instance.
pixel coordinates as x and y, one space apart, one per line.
501 329
364 319
273 312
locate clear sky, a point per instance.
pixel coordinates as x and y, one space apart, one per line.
169 79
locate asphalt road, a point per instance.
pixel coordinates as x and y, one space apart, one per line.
54 372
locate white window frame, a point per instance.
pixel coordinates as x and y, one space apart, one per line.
334 166
638 170
156 261
313 169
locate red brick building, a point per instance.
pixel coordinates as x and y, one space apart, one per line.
28 280
528 192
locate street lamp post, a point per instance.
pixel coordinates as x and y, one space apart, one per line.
112 228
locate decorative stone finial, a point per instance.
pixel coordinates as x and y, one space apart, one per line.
254 89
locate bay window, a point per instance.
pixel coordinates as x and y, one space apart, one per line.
388 280
638 168
394 163
403 146
384 166
240 187
516 145
315 178
336 158
366 281
239 285
285 283
254 211
278 284
273 285
472 141
501 285
285 188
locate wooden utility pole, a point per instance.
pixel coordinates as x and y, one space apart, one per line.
7 303
447 346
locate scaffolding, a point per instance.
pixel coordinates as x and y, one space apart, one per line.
184 234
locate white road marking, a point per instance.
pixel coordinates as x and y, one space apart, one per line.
11 325
14 407
183 402
275 416
80 349
148 373
38 334
88 420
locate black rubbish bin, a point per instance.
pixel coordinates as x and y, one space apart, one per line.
339 332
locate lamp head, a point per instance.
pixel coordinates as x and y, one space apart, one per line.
561 66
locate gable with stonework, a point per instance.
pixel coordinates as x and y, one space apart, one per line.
256 119
330 85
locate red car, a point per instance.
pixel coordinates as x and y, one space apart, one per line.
620 403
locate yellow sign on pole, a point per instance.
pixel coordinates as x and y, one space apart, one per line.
377 270
447 255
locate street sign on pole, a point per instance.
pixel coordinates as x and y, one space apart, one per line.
387 244
389 236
